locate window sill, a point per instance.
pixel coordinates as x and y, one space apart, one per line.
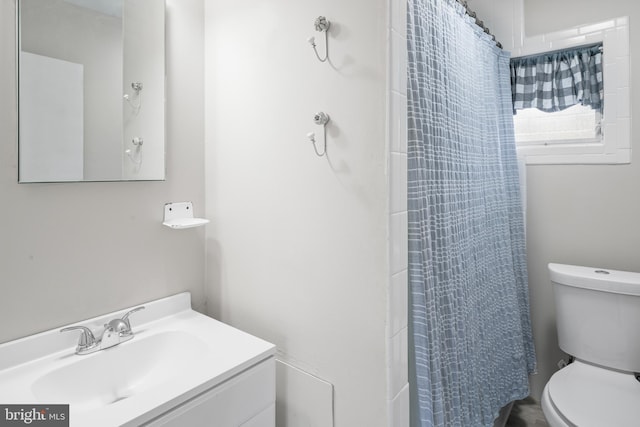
577 154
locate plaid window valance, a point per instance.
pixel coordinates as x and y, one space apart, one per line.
557 80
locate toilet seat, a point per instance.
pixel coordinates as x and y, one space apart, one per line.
585 395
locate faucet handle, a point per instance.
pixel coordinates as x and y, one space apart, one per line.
86 341
125 318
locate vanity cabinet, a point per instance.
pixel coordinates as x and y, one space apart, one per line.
181 369
245 400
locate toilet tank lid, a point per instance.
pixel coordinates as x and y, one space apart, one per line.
599 279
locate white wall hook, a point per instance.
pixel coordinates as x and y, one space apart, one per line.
321 119
137 87
322 25
135 155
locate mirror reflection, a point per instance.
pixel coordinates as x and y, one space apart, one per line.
91 90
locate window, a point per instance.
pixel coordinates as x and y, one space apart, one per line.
575 125
578 134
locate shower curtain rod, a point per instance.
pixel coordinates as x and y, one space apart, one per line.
479 23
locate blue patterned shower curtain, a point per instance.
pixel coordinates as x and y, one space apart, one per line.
469 312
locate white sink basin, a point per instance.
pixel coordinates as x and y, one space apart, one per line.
175 355
121 372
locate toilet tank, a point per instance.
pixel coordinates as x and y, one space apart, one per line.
598 315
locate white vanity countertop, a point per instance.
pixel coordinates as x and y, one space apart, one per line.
175 355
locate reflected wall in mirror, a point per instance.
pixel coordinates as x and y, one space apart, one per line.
91 90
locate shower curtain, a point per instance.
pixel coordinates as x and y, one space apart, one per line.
470 340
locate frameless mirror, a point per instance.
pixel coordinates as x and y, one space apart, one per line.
91 90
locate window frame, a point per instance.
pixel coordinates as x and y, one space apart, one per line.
615 144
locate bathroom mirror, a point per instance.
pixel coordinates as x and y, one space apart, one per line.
91 92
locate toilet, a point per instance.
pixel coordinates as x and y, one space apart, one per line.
598 322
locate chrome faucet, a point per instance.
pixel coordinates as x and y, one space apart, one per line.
115 332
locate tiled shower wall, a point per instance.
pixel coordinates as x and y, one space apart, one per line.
397 356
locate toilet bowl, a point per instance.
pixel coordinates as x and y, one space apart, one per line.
586 395
598 321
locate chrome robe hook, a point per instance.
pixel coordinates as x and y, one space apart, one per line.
322 25
320 119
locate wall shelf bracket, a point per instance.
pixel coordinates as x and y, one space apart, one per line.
178 215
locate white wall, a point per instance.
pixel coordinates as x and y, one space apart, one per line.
72 251
584 215
297 248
